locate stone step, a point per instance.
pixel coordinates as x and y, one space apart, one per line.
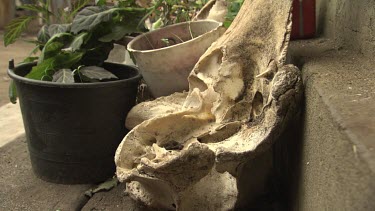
328 158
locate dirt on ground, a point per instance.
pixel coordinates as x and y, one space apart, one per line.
20 189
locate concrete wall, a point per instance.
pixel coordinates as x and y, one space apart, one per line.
333 174
351 23
319 164
326 160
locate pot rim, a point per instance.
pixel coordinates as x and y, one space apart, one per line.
25 80
130 49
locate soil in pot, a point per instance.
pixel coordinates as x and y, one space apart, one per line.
73 130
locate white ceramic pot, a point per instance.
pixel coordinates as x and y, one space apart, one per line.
166 56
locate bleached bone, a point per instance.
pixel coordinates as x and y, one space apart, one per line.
241 96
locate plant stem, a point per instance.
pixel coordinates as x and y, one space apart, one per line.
178 37
191 33
149 42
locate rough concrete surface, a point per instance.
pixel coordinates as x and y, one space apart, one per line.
21 190
347 87
349 23
17 51
11 124
115 199
331 165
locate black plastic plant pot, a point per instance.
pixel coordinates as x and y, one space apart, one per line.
73 130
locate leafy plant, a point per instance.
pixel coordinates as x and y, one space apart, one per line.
74 52
66 15
87 41
41 10
14 29
167 12
233 8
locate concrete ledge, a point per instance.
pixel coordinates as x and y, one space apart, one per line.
346 84
328 159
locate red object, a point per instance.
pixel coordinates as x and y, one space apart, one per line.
303 19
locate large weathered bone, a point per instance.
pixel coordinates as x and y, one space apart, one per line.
190 154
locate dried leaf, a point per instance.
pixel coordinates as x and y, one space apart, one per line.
105 186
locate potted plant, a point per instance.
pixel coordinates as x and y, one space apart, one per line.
73 103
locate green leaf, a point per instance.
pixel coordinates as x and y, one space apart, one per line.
50 50
12 92
90 17
46 69
118 32
78 6
54 45
36 49
35 42
105 186
157 25
133 3
30 59
99 73
14 29
61 37
35 8
78 41
58 28
233 8
97 55
63 76
126 24
100 2
41 70
48 31
67 60
43 34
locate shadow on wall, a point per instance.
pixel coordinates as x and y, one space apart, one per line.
276 174
321 14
